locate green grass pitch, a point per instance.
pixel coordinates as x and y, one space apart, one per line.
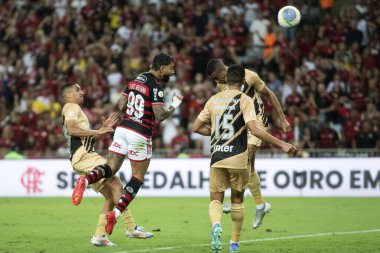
55 225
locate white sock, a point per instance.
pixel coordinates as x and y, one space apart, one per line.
117 213
261 206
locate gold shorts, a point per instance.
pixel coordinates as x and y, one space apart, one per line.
221 179
84 162
253 140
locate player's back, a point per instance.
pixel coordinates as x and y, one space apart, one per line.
143 91
228 129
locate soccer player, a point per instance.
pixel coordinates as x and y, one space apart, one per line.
253 87
141 103
230 113
80 139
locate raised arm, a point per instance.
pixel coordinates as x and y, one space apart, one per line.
161 113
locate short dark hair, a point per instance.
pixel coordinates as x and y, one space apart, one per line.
161 59
66 86
213 66
235 74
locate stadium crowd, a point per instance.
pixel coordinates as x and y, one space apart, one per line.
325 72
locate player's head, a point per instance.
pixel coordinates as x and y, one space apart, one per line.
235 75
163 64
217 70
72 93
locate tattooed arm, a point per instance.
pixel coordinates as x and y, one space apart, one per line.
161 113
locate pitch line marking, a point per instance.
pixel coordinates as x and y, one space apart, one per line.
256 240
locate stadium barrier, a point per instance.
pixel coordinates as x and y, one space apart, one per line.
310 177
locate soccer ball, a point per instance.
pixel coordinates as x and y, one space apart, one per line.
288 16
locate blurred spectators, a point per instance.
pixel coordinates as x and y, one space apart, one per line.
325 71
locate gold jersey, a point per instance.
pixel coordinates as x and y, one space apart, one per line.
71 111
251 87
228 112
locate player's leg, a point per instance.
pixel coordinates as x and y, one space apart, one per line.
109 190
92 168
238 180
139 153
218 184
262 208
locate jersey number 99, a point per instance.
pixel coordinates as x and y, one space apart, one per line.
135 105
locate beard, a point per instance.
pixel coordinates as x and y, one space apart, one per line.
165 78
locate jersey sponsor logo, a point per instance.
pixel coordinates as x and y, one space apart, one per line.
116 145
132 152
141 78
222 148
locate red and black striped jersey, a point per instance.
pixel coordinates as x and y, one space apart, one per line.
144 91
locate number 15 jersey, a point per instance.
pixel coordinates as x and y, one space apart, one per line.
144 91
228 112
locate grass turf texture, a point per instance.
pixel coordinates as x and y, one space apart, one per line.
55 225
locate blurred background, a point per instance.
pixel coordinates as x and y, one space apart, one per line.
325 71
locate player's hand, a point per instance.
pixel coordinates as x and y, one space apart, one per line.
177 100
285 125
288 148
111 121
102 131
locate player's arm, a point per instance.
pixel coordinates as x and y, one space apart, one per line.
161 113
253 79
265 136
123 101
74 130
268 94
201 124
249 115
201 127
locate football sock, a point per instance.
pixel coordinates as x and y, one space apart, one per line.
130 191
237 217
101 227
215 210
99 172
127 218
254 187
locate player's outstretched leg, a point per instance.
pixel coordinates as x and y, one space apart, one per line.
78 191
260 214
216 242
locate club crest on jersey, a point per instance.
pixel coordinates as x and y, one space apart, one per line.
141 78
160 94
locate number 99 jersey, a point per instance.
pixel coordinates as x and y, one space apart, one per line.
228 112
144 91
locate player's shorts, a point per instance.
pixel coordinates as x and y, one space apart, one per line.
84 162
128 142
221 179
253 140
